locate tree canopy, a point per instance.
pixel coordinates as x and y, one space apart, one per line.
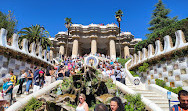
8 22
34 33
160 17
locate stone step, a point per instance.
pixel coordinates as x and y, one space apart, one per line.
150 94
154 97
145 92
164 104
165 108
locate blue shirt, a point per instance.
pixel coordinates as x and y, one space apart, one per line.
4 86
8 84
111 63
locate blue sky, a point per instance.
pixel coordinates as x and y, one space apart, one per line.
51 13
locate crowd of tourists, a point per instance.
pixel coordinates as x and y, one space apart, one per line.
40 77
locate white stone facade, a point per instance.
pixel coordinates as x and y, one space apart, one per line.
94 38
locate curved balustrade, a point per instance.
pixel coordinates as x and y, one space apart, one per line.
38 53
159 50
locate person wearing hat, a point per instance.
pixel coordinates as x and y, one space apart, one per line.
8 90
41 78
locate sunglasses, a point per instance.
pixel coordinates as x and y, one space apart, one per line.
80 98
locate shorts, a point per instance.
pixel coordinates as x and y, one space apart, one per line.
7 97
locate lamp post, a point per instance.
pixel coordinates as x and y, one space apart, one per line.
68 23
68 27
118 16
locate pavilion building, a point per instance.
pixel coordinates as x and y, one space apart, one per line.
92 39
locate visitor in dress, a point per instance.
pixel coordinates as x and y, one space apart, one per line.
82 106
116 104
29 80
112 74
183 98
48 76
100 107
22 80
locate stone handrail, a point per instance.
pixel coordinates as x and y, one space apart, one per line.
24 50
158 89
159 51
146 101
130 76
21 103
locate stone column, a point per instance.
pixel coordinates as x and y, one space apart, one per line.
75 48
112 49
93 46
51 53
62 49
126 51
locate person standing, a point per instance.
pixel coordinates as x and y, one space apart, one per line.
36 86
61 74
48 76
118 74
82 106
29 80
123 76
112 74
13 78
41 78
183 98
22 79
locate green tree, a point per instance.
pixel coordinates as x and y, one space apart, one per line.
68 23
8 22
160 17
33 34
119 15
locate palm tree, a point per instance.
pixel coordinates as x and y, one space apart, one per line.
68 23
31 33
118 16
35 34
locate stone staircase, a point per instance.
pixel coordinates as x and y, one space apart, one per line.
158 99
19 97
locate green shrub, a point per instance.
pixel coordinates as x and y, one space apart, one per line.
163 84
134 74
160 83
134 103
143 68
32 105
123 61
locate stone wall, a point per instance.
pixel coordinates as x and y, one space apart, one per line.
174 73
21 56
15 65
